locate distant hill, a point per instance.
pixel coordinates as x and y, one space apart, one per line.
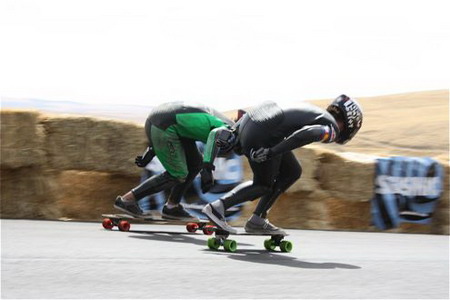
134 113
410 124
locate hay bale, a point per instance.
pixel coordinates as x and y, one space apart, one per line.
307 157
82 143
87 195
248 173
348 215
306 204
346 177
302 210
301 188
28 193
21 139
305 210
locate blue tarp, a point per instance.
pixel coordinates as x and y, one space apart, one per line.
406 190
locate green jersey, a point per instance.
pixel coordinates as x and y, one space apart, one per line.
174 120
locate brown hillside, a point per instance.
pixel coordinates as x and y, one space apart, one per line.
411 124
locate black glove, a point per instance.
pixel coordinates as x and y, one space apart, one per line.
144 159
207 178
260 155
139 161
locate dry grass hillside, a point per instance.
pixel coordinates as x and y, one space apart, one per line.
411 124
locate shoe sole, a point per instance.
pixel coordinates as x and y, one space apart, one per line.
169 217
127 211
266 233
207 210
262 231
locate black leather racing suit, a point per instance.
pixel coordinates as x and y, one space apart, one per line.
281 129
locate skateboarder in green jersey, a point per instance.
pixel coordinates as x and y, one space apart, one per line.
172 130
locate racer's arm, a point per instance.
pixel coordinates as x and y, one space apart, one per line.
301 137
217 138
304 136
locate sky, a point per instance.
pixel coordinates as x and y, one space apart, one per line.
227 54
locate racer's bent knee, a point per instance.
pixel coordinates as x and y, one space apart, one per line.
180 178
295 175
154 184
261 190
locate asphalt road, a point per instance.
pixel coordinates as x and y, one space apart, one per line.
45 259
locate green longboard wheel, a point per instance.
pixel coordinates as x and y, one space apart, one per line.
286 246
213 243
230 245
270 244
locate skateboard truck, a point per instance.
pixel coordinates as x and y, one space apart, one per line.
221 239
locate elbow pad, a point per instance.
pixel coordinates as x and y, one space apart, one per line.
225 140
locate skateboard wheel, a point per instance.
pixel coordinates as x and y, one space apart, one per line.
124 225
107 223
230 245
213 243
270 244
286 246
192 227
208 229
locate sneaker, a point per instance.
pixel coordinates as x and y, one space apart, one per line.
177 213
129 207
215 212
264 228
414 216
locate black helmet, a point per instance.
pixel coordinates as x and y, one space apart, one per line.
349 111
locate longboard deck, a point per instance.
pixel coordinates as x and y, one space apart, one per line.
149 218
122 222
254 234
222 232
163 232
130 217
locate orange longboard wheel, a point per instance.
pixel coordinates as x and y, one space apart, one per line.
107 223
191 227
208 229
124 225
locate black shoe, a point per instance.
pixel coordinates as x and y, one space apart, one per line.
177 213
129 207
215 212
265 228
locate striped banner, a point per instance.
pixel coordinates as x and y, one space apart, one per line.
406 190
